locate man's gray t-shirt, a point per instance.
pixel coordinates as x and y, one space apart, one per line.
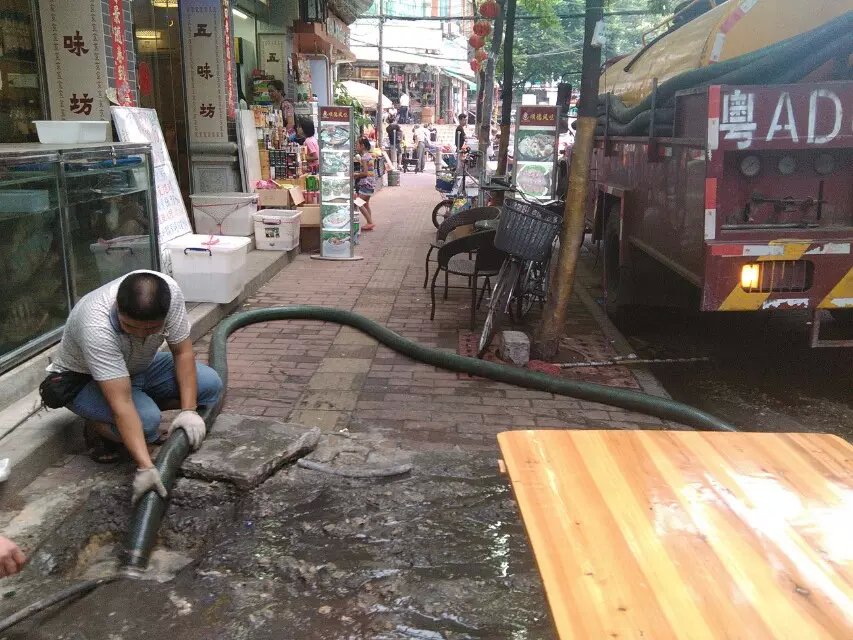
94 343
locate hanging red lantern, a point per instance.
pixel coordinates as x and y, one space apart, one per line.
482 28
489 9
480 55
475 65
476 41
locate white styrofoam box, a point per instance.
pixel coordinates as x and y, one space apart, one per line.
121 255
209 268
277 229
72 131
224 214
24 201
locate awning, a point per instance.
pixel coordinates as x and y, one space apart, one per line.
471 84
365 94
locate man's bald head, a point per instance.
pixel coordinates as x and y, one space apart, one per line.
144 296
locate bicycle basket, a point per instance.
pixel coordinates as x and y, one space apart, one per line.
444 182
526 230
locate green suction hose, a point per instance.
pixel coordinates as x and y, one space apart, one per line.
150 509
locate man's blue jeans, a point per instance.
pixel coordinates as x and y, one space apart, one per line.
151 389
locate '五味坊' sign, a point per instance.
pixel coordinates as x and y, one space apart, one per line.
75 62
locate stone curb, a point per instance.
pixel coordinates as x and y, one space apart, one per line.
646 379
35 438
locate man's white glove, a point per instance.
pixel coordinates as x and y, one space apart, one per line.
144 481
193 426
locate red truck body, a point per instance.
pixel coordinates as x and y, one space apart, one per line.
750 200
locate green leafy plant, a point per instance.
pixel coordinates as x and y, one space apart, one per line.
344 99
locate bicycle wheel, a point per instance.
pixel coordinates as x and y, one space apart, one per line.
527 290
499 304
441 212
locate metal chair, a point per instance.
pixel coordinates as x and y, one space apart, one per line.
472 256
467 217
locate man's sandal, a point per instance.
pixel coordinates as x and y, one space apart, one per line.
101 449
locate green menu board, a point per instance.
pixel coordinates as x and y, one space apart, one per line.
535 156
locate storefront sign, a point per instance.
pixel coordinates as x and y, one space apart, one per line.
229 62
122 82
536 136
272 56
141 125
204 61
338 220
75 62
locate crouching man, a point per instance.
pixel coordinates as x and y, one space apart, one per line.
114 334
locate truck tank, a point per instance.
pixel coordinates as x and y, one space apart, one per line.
726 31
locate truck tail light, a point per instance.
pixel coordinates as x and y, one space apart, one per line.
750 274
777 276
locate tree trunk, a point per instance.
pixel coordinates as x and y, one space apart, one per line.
507 93
547 339
485 122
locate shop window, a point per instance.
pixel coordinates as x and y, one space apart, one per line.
160 78
20 80
312 10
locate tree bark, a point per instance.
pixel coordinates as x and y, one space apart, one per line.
547 339
485 122
507 92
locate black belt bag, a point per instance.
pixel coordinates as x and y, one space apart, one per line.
58 389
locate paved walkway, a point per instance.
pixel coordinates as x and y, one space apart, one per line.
336 377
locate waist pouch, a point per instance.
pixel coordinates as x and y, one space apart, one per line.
58 389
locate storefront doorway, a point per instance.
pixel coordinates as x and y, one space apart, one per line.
21 91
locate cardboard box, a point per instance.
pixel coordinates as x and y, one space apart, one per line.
281 198
309 238
310 214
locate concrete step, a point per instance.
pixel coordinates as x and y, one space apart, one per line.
34 437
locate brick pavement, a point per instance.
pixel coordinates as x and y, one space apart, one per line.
335 377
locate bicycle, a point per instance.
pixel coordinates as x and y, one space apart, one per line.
457 193
526 231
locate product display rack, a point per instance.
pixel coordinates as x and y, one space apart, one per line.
338 217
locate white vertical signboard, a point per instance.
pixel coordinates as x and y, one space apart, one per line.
272 57
75 62
207 91
141 125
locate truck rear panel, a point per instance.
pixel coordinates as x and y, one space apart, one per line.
751 200
778 222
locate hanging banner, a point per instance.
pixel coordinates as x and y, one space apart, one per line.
535 155
230 95
338 219
272 55
122 82
74 58
141 125
204 61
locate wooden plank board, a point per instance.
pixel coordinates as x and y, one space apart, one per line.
680 534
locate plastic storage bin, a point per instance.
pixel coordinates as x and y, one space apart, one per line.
17 201
72 131
121 255
209 268
225 214
277 229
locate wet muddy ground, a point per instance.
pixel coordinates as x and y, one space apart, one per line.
760 373
437 553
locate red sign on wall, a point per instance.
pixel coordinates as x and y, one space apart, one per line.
334 114
532 116
229 62
117 33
